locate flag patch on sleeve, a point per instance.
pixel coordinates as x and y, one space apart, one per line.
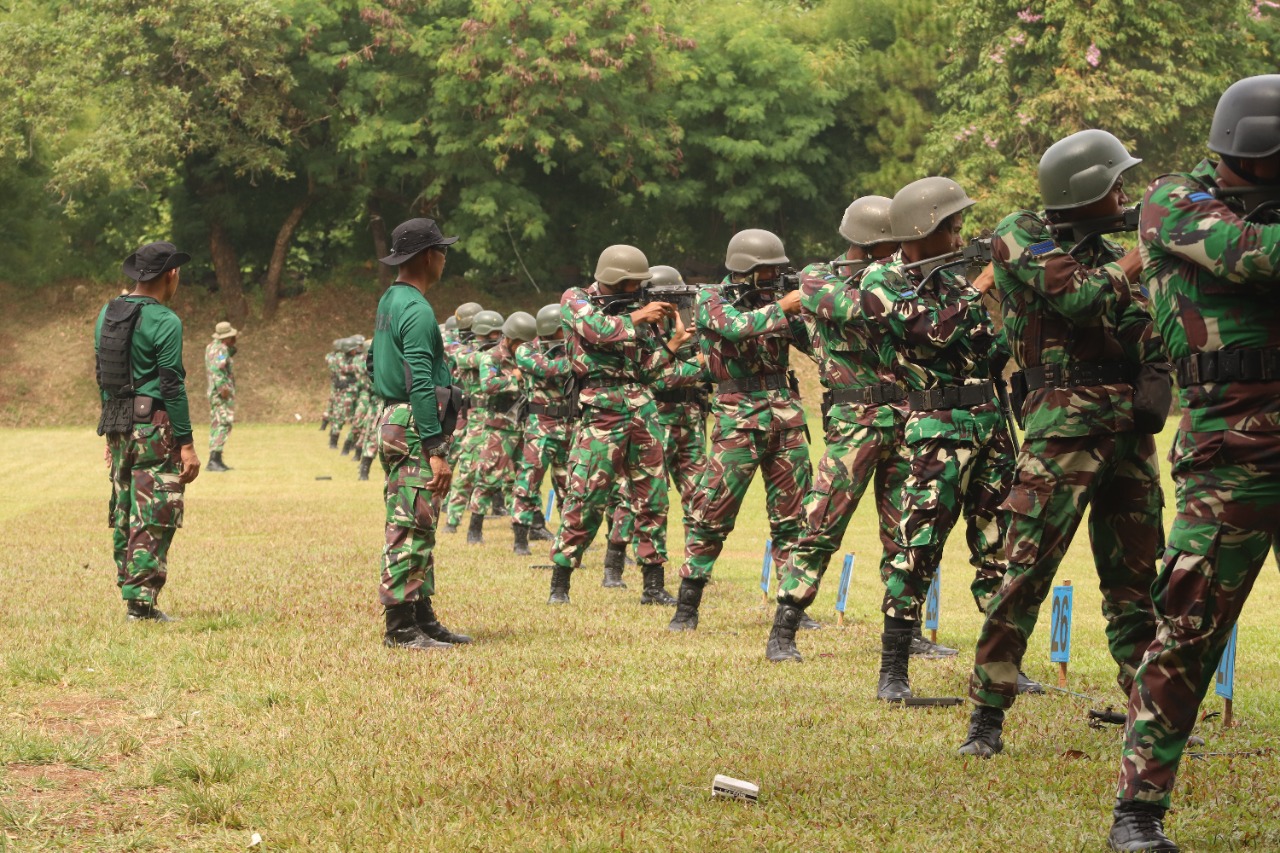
1042 248
1199 197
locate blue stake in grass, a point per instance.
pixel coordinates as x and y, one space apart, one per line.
764 570
842 592
933 604
1060 630
551 503
1225 680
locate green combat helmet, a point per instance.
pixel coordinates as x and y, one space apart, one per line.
866 221
466 314
620 263
486 322
451 324
753 248
520 326
339 344
1082 168
548 320
665 276
921 206
1246 122
355 343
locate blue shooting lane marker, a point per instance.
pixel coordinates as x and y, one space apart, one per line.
842 592
551 503
1060 629
764 570
1225 680
933 602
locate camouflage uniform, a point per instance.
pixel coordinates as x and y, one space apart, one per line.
363 408
864 439
344 411
467 454
546 428
618 435
1080 447
1212 277
332 361
222 409
501 429
761 427
960 456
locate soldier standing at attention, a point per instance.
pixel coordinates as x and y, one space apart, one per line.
145 417
485 330
408 366
1079 330
863 407
462 342
222 391
746 332
615 357
959 449
1211 238
332 361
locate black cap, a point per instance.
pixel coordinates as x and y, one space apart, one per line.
412 237
153 260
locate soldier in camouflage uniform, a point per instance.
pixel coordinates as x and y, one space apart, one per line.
364 403
409 364
467 375
1211 241
747 329
615 357
145 417
960 451
863 414
222 391
544 364
367 449
332 361
1079 329
501 384
347 388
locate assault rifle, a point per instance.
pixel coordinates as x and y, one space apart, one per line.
977 253
1081 230
1258 201
785 282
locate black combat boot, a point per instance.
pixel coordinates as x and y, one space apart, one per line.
1028 685
895 652
687 601
782 638
324 424
538 531
403 631
613 567
215 462
365 464
560 585
521 547
145 611
653 590
985 725
333 441
475 533
922 648
348 444
1139 826
450 527
425 616
808 623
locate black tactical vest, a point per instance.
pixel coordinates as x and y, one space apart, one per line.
114 365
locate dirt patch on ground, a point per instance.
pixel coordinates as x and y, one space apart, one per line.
78 714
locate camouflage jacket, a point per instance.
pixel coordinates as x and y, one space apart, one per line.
333 361
466 370
546 371
739 344
1064 309
683 373
942 335
848 353
502 388
348 372
217 363
607 347
1212 277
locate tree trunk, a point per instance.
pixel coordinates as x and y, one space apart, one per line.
275 269
381 243
226 267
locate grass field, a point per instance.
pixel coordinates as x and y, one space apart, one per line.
272 708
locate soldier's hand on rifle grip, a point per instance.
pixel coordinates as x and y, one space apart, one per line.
680 336
985 279
441 476
652 313
790 304
190 464
1131 263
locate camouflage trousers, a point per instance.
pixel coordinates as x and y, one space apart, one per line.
545 448
464 475
495 469
146 506
685 453
408 564
1228 499
1117 477
344 411
782 456
948 477
331 407
369 432
607 445
856 456
455 447
222 416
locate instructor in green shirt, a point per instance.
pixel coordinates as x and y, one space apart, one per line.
408 367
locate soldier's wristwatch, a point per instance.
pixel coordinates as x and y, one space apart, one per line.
440 448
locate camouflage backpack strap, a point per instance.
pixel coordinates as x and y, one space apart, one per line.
114 365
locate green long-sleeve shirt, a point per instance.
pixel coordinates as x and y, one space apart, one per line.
408 356
155 353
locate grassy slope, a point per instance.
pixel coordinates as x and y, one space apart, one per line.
272 708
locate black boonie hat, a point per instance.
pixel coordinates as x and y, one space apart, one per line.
412 237
153 260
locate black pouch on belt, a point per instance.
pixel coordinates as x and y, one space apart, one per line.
1152 396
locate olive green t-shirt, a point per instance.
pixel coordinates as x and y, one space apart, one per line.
155 353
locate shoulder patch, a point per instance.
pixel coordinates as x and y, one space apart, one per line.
1044 247
1199 197
907 294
